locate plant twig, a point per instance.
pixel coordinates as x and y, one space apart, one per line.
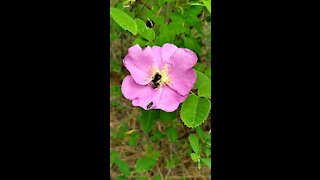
159 171
143 3
186 134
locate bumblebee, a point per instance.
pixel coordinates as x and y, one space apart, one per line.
156 81
149 23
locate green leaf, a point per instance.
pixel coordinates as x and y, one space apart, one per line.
191 44
178 18
207 3
123 167
145 164
144 31
162 39
148 119
113 157
205 90
200 67
201 78
168 116
157 135
206 161
167 33
196 4
200 132
156 178
195 157
208 152
195 110
176 28
172 133
193 21
134 137
194 9
208 142
140 41
142 178
121 178
152 154
193 139
124 20
208 72
159 20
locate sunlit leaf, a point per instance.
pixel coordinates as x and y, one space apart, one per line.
195 110
140 41
144 31
207 3
124 20
208 72
123 167
113 157
206 161
201 78
145 164
195 157
205 90
193 139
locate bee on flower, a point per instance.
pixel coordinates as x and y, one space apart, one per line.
160 77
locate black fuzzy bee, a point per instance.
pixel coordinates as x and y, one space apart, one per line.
149 105
149 23
156 81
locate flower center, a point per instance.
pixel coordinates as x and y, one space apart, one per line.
159 78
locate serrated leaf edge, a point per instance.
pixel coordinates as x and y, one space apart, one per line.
200 122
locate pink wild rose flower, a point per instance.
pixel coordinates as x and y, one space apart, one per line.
161 77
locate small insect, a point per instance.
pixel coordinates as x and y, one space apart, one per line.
149 105
149 23
156 81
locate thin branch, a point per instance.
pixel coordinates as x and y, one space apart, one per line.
159 171
143 3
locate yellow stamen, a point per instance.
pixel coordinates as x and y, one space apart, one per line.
164 72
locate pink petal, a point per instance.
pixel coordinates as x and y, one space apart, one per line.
157 51
141 95
182 81
182 75
164 98
138 62
183 59
167 51
167 99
